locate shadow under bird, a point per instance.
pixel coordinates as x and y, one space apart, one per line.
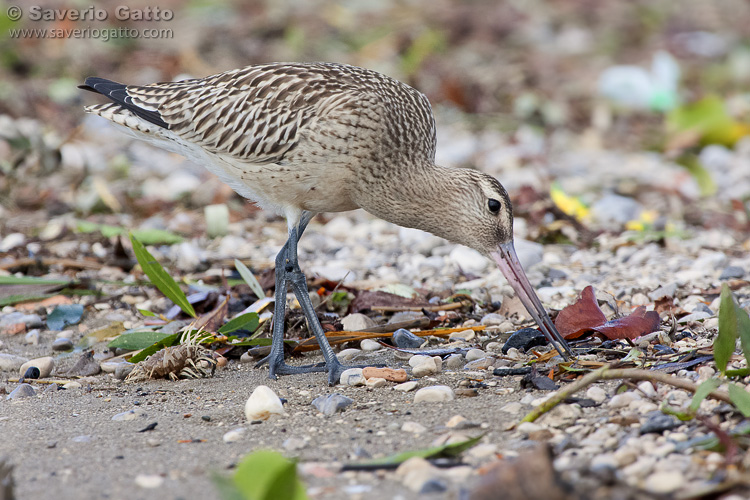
304 138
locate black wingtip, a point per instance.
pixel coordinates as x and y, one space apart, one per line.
118 93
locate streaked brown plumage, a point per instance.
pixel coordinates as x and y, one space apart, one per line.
303 138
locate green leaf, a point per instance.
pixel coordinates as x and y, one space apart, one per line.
145 236
683 416
701 175
167 341
16 298
740 398
160 278
444 450
709 119
702 393
30 280
268 475
249 279
148 313
137 340
733 322
247 321
64 315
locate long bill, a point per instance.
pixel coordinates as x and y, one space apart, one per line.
507 261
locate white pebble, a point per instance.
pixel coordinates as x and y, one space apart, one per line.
425 368
262 404
375 382
475 354
647 388
406 386
434 394
149 481
129 415
348 355
596 393
352 377
664 482
413 427
45 365
465 335
234 435
623 400
417 359
369 345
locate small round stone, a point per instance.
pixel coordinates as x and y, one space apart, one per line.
434 394
475 354
369 345
413 427
263 404
62 344
348 355
406 386
375 382
45 365
425 368
234 435
331 403
465 335
352 377
22 391
406 340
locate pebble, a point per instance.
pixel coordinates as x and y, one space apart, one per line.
331 403
596 394
406 386
454 362
129 415
123 369
658 422
11 241
664 482
524 339
485 363
11 362
32 337
22 391
424 367
72 385
647 388
406 340
349 355
376 382
356 322
293 444
465 335
732 272
45 365
234 435
492 319
434 394
514 407
352 377
416 472
149 481
62 344
562 415
263 404
475 354
413 427
369 345
623 400
29 320
389 374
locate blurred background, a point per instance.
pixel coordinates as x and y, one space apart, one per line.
600 117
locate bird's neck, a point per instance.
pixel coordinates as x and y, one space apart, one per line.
425 196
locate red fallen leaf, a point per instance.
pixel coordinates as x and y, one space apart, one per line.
585 316
639 322
581 316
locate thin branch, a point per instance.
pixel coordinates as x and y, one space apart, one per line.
607 373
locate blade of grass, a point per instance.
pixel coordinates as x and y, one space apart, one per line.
247 321
160 278
249 278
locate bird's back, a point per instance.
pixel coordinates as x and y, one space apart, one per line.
291 136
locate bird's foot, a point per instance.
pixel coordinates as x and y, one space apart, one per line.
334 370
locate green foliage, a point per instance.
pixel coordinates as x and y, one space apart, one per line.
733 322
263 475
702 176
167 341
160 278
443 450
137 340
249 321
249 279
740 398
145 236
709 120
702 393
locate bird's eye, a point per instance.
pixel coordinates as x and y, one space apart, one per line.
494 206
